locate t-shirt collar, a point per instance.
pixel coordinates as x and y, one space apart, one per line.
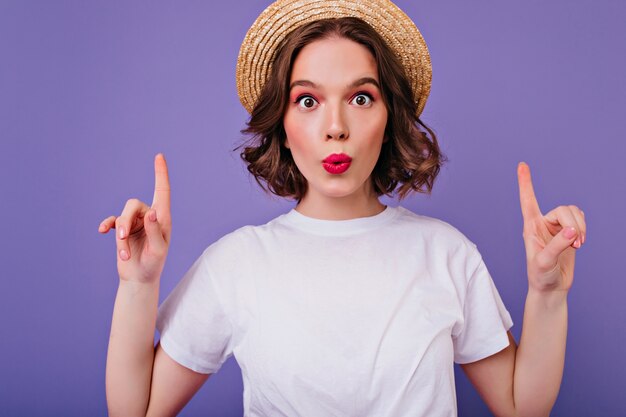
338 227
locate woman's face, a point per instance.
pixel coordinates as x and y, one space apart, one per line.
335 119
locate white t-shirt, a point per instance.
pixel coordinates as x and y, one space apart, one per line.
361 317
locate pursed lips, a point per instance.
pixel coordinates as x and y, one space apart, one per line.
337 158
337 163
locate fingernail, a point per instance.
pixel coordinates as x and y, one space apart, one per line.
569 232
577 243
152 216
122 233
124 255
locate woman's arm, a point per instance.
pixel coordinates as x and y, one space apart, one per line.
540 356
142 236
525 380
142 380
173 385
138 381
130 355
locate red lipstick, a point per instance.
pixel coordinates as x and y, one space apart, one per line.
337 163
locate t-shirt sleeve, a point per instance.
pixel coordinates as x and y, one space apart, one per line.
486 319
195 330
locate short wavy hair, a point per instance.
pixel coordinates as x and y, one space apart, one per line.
410 157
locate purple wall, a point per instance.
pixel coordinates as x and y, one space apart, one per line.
91 91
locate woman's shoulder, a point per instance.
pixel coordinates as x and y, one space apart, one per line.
243 240
431 227
433 230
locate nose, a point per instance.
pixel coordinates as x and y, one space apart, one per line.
337 128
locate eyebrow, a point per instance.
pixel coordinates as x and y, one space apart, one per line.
357 83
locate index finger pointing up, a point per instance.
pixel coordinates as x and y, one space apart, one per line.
161 200
528 201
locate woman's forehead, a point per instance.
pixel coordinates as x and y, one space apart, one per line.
334 60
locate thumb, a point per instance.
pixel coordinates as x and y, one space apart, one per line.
156 242
549 256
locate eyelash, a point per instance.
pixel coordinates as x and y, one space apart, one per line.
363 93
360 93
303 96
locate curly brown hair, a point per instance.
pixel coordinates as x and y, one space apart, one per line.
410 157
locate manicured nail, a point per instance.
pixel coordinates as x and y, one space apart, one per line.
122 233
569 232
152 216
577 243
124 255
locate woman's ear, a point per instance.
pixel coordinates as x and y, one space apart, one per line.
286 143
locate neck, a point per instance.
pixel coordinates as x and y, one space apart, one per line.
340 208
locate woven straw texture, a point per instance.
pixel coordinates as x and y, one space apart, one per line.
258 49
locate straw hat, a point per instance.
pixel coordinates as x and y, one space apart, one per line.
283 16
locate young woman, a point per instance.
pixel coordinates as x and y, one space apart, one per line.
342 306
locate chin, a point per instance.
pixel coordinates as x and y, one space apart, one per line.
339 190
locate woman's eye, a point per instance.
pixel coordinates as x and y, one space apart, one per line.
362 100
306 102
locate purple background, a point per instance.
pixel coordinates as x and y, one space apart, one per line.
91 91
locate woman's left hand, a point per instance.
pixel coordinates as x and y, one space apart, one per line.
551 241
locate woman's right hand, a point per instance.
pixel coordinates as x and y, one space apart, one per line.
143 233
